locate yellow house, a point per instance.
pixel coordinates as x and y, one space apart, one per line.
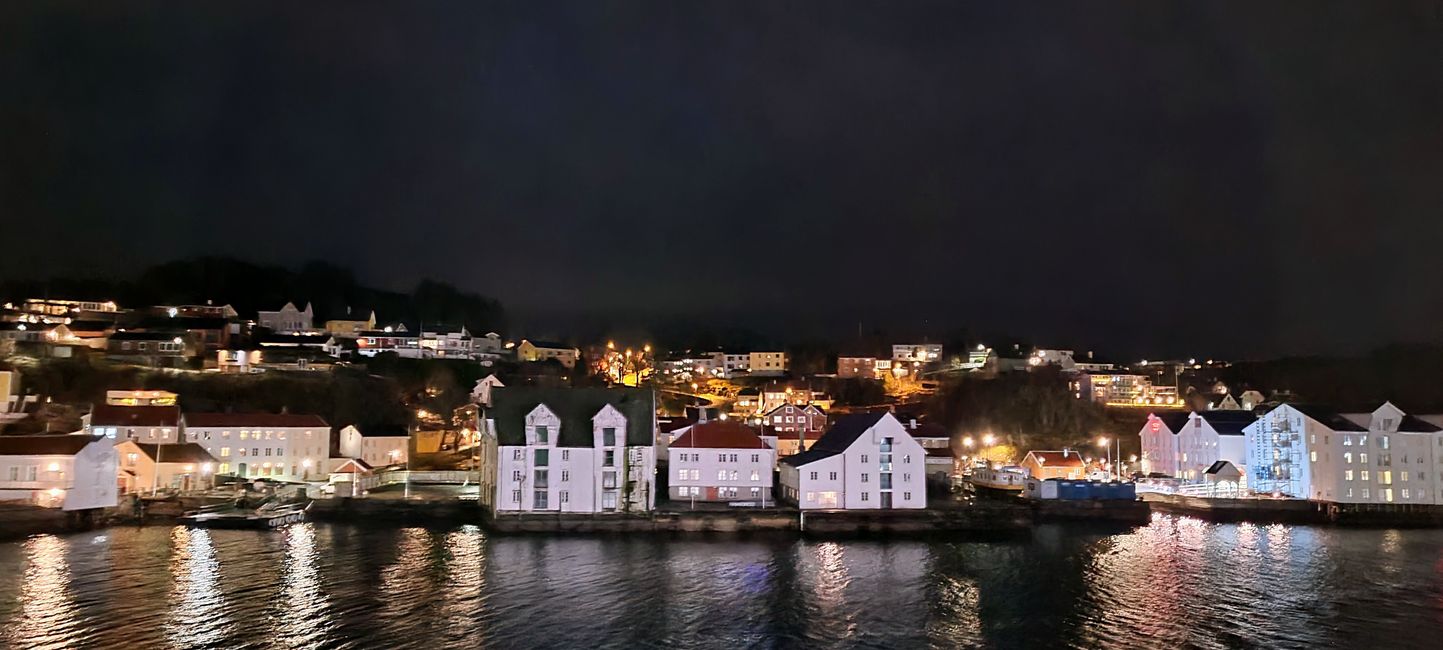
542 350
351 328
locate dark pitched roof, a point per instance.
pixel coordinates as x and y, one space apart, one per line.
186 452
134 416
1228 423
254 420
720 434
144 336
382 431
1415 424
48 445
1174 421
929 430
183 323
1218 467
672 424
808 456
1328 417
838 438
294 339
576 407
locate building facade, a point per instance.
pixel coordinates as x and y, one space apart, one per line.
379 446
146 467
767 363
530 350
585 450
1383 457
288 319
721 460
865 461
283 446
68 471
1185 445
152 424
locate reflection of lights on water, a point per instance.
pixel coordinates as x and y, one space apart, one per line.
1278 538
465 573
404 581
832 579
304 616
47 614
198 611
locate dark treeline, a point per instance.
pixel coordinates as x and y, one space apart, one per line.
333 291
1406 374
346 396
1031 410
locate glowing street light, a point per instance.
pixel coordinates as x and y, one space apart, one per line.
989 439
967 442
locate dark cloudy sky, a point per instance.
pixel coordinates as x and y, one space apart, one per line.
1163 177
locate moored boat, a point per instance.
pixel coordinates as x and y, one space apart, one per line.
267 516
1004 481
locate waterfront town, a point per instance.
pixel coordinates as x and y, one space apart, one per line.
203 413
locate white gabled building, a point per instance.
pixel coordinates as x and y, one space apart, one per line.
73 472
865 461
721 460
379 446
280 446
584 450
1185 445
1311 452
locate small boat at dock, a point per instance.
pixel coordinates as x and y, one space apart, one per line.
1008 480
226 516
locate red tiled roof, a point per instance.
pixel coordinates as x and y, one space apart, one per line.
1057 458
720 434
254 420
134 416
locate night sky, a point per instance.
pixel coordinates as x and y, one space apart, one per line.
1236 178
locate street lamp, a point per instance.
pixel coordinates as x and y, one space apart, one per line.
1106 444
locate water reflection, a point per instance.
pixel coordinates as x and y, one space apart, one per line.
47 616
1173 583
406 582
303 617
462 598
198 614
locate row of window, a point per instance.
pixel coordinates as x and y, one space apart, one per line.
541 498
542 478
721 492
543 435
721 475
1385 476
720 458
246 435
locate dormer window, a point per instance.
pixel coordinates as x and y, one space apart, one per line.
543 436
608 437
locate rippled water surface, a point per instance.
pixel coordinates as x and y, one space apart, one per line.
1175 583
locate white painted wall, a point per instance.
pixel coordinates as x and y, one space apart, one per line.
703 468
282 453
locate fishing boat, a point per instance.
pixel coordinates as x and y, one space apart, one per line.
1008 480
270 515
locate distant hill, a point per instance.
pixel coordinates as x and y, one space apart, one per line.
251 287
